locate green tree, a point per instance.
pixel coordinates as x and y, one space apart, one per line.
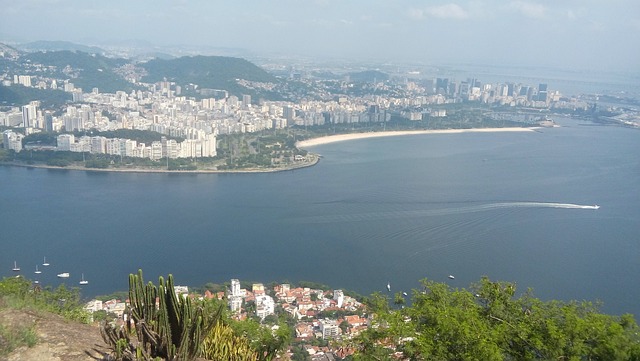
491 323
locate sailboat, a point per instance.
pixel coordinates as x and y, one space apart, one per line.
44 262
37 271
83 281
15 267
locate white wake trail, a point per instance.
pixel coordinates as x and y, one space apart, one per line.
355 217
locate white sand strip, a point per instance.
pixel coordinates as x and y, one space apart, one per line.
353 136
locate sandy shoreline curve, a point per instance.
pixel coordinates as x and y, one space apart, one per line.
354 136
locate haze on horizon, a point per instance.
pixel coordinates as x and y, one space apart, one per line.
568 34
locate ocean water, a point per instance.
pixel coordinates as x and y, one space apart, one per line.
515 207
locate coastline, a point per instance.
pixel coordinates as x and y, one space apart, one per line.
354 136
313 162
301 144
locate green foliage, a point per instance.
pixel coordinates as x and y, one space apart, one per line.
262 339
41 138
12 337
18 292
215 72
90 70
18 95
222 344
491 323
98 163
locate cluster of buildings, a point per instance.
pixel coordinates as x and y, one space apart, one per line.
162 108
303 304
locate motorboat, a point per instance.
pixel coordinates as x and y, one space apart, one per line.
389 287
451 277
63 275
595 206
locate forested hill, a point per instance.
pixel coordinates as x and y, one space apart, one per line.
91 70
215 72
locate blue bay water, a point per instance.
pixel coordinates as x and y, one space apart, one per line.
512 206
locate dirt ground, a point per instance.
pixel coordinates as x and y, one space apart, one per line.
58 339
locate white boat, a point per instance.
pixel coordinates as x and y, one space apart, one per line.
37 271
63 275
15 267
596 206
405 294
451 277
389 287
44 262
83 281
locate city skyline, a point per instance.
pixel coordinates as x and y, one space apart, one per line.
570 34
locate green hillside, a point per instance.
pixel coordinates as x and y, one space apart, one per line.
89 71
215 72
18 95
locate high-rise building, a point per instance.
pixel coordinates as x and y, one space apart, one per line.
29 114
442 86
338 296
235 287
48 121
246 101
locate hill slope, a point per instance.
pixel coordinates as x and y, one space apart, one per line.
57 338
215 72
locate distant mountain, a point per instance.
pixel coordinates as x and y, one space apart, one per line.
44 45
87 70
154 55
368 76
93 70
8 52
215 72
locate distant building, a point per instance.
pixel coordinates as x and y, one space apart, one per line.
12 140
64 142
48 122
338 296
265 306
329 329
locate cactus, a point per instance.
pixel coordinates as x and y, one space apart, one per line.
172 330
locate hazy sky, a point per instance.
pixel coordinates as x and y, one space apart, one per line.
584 34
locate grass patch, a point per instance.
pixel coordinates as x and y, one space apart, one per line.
12 337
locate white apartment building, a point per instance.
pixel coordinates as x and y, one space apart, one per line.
338 296
265 306
64 141
329 329
12 141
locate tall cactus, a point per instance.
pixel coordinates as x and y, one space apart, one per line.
171 330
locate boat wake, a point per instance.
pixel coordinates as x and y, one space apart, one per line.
537 205
354 217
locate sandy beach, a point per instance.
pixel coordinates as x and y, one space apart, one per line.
353 136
